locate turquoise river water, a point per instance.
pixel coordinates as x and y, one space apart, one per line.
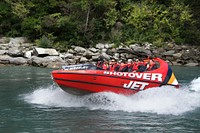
31 103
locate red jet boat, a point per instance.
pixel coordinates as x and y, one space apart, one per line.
87 78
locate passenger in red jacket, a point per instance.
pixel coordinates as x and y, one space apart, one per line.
113 66
103 64
130 65
123 67
135 65
151 65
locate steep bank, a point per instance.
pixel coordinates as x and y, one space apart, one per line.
17 51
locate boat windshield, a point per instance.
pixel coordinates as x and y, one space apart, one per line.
81 67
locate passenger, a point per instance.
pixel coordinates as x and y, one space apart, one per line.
130 65
151 65
123 67
147 59
105 65
141 66
135 65
102 64
99 64
113 66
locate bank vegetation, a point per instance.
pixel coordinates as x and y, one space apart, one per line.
62 23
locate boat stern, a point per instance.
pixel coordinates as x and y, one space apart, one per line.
170 78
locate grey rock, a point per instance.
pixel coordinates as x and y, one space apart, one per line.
95 58
142 51
18 61
88 54
38 61
94 50
55 65
174 63
53 59
42 52
192 64
3 52
104 50
105 56
66 56
134 46
15 52
71 51
28 54
71 61
79 49
116 55
100 46
4 40
184 47
169 53
108 46
4 59
4 46
44 62
177 55
147 45
83 60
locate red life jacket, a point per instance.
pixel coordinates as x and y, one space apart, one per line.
135 66
151 66
113 67
130 67
122 67
104 66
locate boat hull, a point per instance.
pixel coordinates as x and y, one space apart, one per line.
82 82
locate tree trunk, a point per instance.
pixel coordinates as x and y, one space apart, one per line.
87 20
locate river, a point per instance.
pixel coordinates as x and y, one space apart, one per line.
31 103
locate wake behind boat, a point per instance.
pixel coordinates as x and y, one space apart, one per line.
87 78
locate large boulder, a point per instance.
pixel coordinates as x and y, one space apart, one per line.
42 52
38 61
4 59
18 61
15 52
53 59
46 61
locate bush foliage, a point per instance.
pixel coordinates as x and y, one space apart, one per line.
62 23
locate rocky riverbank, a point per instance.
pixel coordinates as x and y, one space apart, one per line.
18 51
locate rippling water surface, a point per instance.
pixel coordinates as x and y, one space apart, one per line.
31 102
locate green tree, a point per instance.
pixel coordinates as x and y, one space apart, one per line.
62 23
